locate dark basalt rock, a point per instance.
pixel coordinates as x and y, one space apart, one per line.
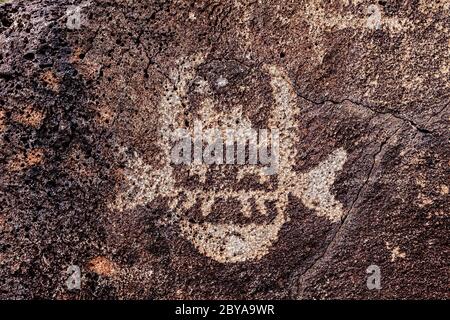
81 113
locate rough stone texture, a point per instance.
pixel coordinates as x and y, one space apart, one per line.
79 106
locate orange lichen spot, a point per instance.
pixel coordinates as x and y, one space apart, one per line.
51 80
102 266
29 117
35 156
22 162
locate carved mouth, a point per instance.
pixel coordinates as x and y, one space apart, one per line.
236 242
226 242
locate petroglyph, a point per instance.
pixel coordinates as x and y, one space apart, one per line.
232 242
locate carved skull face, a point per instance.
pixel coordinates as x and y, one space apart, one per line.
231 213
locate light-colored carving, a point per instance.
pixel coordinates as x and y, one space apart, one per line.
231 242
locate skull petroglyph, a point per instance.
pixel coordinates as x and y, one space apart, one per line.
227 241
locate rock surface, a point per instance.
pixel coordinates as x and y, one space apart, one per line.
358 89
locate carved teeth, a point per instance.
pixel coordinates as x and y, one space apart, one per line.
208 200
